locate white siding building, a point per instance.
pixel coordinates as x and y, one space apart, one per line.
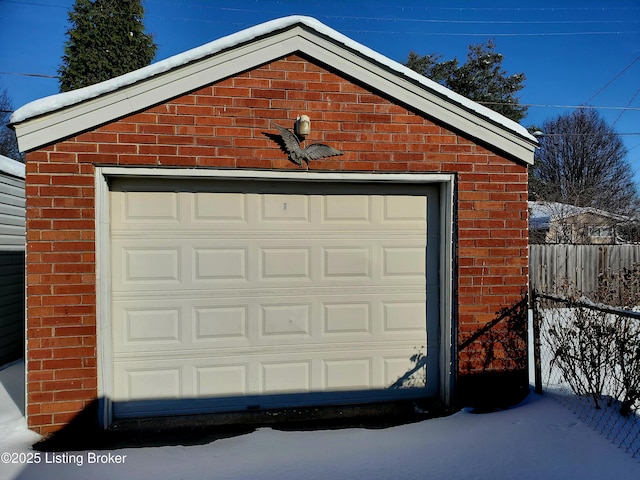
12 258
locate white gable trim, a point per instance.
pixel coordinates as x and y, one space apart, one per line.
53 118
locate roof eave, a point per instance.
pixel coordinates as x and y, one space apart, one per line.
132 93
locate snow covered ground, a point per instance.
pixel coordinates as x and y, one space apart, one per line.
538 439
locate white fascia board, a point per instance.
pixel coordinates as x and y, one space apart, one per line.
71 120
415 95
48 128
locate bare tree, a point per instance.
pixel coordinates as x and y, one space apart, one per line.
582 162
8 142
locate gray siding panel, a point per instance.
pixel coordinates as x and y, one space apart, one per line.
12 213
11 306
12 268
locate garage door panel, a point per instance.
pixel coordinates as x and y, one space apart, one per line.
154 265
272 372
221 324
407 316
347 318
217 263
157 326
407 261
283 209
146 323
220 264
225 208
276 298
143 383
157 208
148 326
290 320
346 263
221 380
348 374
405 209
405 373
285 376
347 209
285 263
137 263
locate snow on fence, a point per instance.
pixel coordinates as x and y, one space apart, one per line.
587 356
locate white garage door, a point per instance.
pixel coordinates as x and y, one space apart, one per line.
250 294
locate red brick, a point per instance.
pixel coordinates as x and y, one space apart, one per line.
222 126
70 168
43 419
72 180
250 82
137 160
156 129
98 137
66 395
391 128
62 363
116 148
221 91
74 352
178 161
119 127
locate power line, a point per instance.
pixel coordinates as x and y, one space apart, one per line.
480 22
546 105
39 75
612 80
395 5
513 9
612 134
628 103
416 20
492 34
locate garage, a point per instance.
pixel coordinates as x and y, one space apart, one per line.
183 259
243 294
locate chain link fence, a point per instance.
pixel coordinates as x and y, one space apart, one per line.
587 356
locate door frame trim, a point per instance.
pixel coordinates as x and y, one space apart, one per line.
446 182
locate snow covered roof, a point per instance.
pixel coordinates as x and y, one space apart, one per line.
11 167
541 214
51 118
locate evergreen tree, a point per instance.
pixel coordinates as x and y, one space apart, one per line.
106 39
481 79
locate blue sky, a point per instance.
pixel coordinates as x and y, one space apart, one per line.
573 53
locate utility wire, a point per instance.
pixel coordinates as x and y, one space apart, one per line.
414 20
546 105
378 5
39 75
629 103
612 80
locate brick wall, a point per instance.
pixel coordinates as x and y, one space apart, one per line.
223 126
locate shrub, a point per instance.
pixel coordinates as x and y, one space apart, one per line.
596 346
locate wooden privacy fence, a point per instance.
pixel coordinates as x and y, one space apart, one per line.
580 265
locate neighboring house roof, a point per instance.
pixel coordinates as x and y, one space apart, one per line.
542 214
52 118
11 167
